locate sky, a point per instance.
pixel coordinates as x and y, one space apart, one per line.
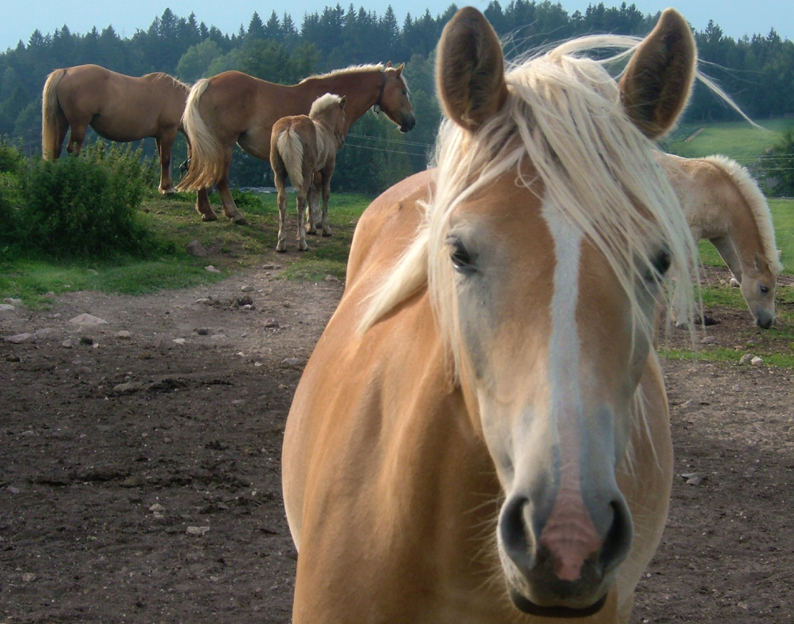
736 17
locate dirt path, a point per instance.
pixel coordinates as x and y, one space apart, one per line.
139 464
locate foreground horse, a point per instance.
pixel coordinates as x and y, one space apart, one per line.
233 107
302 146
116 106
481 434
723 204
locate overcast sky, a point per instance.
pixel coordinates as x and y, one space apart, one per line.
20 19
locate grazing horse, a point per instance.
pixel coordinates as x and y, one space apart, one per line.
481 434
723 204
233 107
300 146
118 107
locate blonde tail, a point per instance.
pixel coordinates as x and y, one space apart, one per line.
206 152
290 149
51 116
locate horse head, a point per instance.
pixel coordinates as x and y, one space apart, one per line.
393 99
548 237
758 289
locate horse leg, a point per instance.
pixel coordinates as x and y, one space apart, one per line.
229 207
303 195
76 138
278 180
203 206
164 145
326 176
311 219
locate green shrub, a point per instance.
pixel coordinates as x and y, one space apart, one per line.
85 206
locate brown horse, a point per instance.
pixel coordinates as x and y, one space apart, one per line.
233 107
118 107
723 204
302 146
481 434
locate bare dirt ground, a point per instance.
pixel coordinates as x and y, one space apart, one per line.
139 463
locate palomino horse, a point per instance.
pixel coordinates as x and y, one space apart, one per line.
116 106
723 204
235 107
300 146
481 434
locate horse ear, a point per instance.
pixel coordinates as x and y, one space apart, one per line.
388 64
470 70
658 80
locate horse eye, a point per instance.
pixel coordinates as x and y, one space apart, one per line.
460 256
764 289
660 264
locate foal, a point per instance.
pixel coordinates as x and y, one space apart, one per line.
302 146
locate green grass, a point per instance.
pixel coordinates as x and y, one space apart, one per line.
738 140
722 354
174 220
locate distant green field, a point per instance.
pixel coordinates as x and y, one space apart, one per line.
737 139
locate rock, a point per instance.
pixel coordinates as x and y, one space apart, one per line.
13 301
19 338
202 331
196 249
179 341
292 362
708 340
197 530
331 278
13 357
746 358
693 478
6 307
127 387
211 269
29 577
67 344
756 361
271 323
123 334
87 320
247 288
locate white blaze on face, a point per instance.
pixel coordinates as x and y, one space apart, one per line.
569 533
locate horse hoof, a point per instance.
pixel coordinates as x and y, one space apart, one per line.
327 233
168 191
239 221
209 217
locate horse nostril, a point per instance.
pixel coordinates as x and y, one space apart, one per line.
765 322
513 533
618 539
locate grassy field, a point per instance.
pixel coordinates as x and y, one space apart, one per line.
737 139
230 247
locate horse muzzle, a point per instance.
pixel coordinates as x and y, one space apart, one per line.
561 565
408 122
764 319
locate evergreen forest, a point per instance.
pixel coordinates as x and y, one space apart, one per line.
757 72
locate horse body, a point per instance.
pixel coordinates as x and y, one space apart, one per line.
118 107
723 204
481 433
304 146
233 107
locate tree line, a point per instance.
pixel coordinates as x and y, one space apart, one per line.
756 71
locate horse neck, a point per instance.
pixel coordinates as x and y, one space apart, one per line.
742 241
361 88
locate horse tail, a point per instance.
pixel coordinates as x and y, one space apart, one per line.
290 148
206 151
52 117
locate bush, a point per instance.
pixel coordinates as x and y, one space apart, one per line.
85 206
12 165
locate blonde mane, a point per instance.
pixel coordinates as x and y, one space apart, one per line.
323 103
168 77
562 118
353 69
759 207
